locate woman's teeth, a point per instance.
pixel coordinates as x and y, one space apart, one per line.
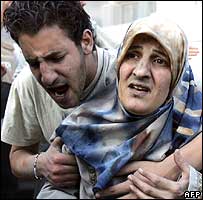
140 88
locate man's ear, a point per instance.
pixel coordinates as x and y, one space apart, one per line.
87 42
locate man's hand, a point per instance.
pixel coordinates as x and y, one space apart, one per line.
146 185
5 4
83 3
59 169
3 70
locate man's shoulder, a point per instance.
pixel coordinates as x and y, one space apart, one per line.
25 84
106 72
24 76
107 58
107 53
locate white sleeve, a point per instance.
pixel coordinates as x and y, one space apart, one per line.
195 180
20 125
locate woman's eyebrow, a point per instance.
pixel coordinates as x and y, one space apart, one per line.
135 47
160 52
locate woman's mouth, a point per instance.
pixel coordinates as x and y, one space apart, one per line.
139 87
139 90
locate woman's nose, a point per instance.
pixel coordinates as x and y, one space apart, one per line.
142 69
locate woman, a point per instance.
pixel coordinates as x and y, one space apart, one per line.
134 121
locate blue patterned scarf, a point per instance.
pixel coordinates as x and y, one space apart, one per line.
103 134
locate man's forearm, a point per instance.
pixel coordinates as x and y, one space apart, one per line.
191 152
22 161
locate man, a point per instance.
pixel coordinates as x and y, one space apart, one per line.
66 64
57 42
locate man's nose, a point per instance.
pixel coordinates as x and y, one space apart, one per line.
142 69
48 74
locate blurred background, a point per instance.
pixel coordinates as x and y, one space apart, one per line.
114 17
111 18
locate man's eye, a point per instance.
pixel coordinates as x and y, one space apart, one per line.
33 64
57 59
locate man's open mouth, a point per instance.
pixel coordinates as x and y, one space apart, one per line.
58 91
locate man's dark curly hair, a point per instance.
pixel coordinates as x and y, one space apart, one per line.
28 17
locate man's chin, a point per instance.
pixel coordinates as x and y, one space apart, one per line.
64 101
68 105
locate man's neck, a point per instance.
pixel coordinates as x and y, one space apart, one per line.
92 65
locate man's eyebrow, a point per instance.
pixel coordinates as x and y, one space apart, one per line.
50 55
31 60
53 54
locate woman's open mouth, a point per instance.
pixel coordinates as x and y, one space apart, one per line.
139 89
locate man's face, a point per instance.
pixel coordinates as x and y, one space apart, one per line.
144 76
57 63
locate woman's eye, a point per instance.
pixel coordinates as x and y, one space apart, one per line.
131 55
160 61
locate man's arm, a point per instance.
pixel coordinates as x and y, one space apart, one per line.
22 160
146 185
59 169
191 152
3 70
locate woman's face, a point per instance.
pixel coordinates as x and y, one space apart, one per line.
144 76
